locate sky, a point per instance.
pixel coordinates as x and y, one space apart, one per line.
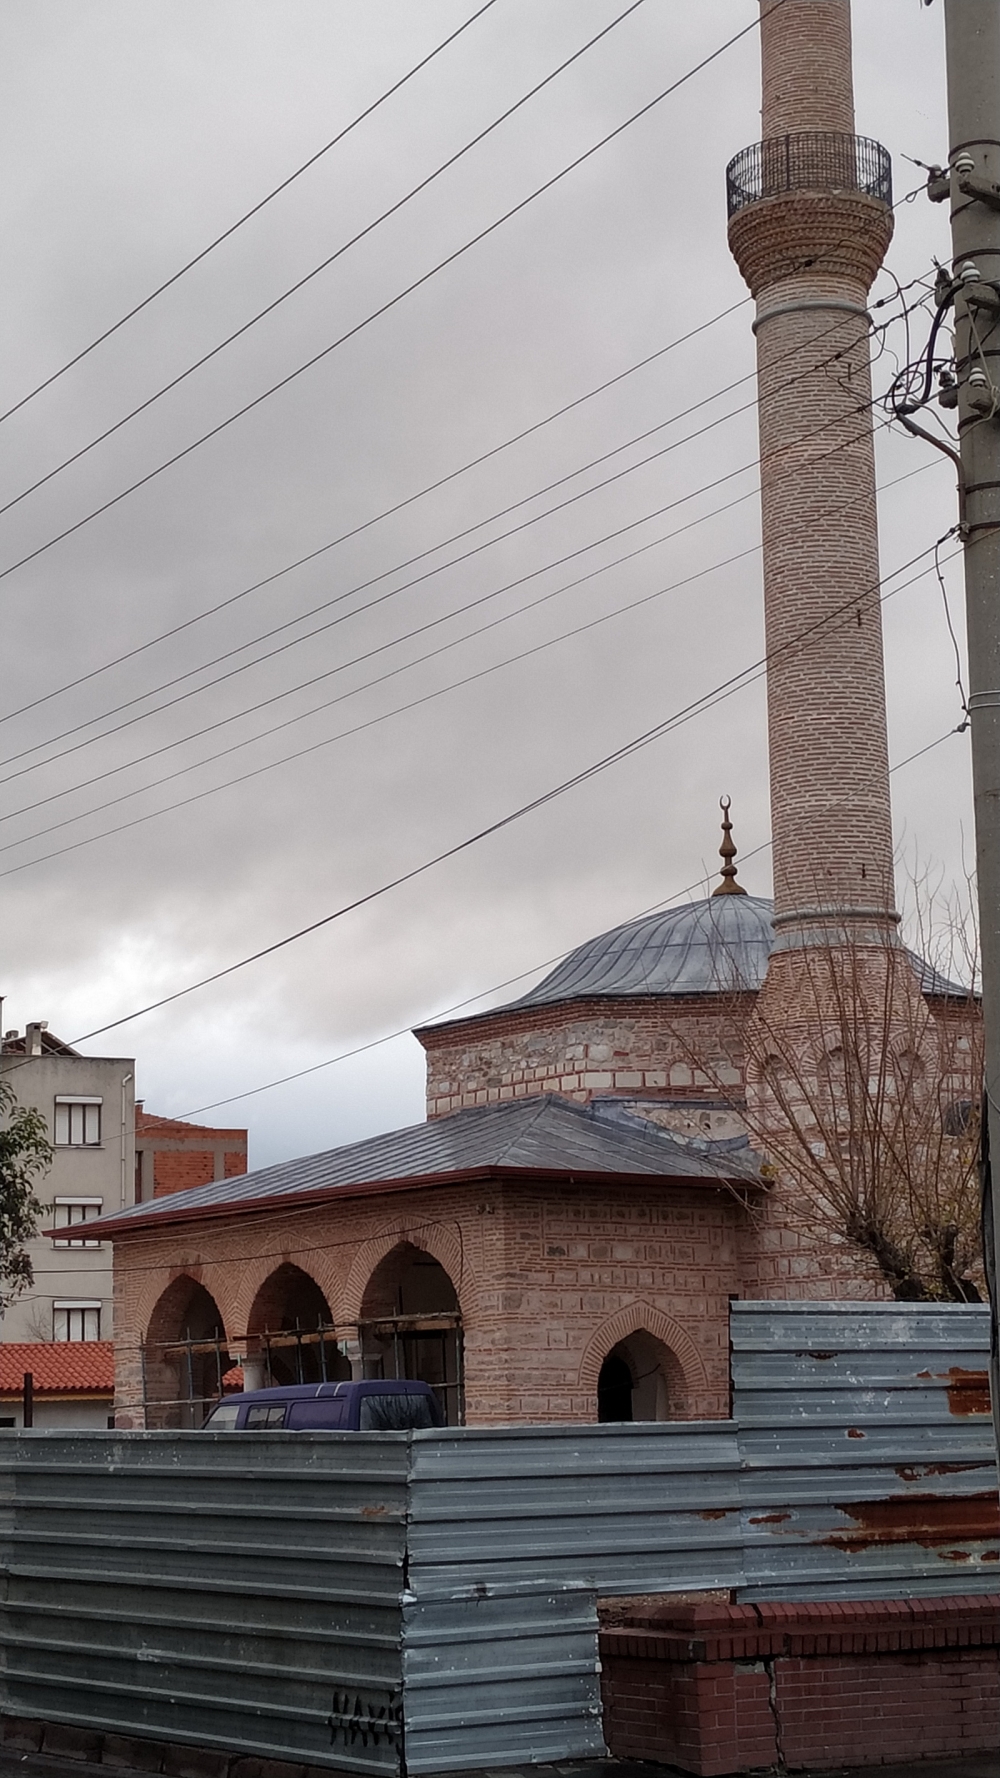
131 137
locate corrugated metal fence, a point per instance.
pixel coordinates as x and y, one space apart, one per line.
339 1599
866 1450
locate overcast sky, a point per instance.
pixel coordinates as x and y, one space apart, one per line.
131 136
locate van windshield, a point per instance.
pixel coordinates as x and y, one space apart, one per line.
395 1413
223 1418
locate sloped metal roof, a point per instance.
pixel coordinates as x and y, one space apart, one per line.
702 947
541 1135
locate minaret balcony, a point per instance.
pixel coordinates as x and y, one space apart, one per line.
809 161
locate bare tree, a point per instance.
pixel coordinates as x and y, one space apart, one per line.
862 1084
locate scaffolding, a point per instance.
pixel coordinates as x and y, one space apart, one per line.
419 1348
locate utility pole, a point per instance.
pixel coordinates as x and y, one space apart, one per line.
972 34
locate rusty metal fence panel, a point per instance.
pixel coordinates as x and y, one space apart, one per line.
349 1599
232 1592
866 1450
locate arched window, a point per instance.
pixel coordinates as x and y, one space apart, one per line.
184 1356
633 1381
614 1390
290 1336
411 1325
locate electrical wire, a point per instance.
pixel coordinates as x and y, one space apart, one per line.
323 266
429 488
625 751
499 987
384 308
372 722
387 512
253 211
277 697
409 585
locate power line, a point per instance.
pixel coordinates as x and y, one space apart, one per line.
628 748
386 573
498 987
253 211
384 308
431 573
387 512
408 500
323 266
277 697
372 722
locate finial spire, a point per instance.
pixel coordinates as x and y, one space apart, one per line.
727 852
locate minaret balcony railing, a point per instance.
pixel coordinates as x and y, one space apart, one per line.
809 160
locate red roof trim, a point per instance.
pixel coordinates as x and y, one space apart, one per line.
108 1229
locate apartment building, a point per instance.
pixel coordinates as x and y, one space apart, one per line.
88 1103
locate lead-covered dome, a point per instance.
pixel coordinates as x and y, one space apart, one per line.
702 947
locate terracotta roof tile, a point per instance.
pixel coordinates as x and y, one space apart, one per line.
57 1366
148 1123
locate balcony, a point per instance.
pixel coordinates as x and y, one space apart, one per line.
810 160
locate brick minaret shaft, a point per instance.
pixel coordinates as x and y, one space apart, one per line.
810 221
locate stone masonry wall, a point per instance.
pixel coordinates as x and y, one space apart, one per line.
645 1047
549 1279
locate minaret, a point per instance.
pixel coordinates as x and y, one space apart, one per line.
810 220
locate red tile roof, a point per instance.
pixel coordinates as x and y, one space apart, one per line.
148 1123
58 1367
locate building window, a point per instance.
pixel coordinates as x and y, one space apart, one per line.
77 1123
71 1211
76 1321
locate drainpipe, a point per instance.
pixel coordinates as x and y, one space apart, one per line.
125 1080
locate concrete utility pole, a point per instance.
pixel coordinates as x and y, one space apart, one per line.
972 31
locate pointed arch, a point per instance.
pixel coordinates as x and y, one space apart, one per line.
185 1354
440 1240
684 1366
289 1330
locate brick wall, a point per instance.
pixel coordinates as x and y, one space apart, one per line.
548 1278
647 1047
172 1156
724 1689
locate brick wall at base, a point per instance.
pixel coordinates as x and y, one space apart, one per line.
718 1690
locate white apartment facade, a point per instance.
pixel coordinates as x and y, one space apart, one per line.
88 1103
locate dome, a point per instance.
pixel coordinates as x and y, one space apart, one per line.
702 947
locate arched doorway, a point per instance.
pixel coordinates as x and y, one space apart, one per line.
184 1356
632 1384
411 1326
290 1336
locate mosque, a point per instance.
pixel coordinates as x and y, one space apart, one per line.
560 1240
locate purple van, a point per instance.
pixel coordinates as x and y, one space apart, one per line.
397 1406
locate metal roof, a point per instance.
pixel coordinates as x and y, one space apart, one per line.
537 1135
702 947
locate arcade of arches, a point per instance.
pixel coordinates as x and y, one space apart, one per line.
519 1301
410 1325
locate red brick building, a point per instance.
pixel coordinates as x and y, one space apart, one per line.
171 1156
